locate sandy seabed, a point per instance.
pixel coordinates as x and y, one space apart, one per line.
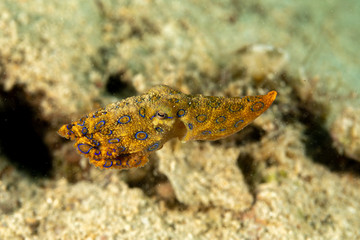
292 174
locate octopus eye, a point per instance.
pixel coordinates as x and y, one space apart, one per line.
161 115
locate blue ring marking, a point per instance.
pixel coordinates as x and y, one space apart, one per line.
154 98
142 112
109 132
122 148
97 155
125 120
174 100
257 107
82 123
109 153
153 147
238 122
118 162
106 161
85 151
190 126
137 163
70 132
198 118
99 124
114 140
181 113
141 132
84 130
223 129
97 152
235 107
214 103
206 132
159 129
69 126
220 119
173 92
95 113
89 137
139 100
96 143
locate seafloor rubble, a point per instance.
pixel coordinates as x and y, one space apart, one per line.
292 174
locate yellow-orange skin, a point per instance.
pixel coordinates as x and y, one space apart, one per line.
123 134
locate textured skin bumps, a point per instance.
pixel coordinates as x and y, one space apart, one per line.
123 134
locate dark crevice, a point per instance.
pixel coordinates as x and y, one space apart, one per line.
319 144
149 179
22 132
250 134
117 86
148 182
247 166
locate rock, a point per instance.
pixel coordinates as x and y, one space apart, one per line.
211 175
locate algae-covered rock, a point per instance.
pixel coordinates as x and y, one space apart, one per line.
44 51
346 132
212 175
69 57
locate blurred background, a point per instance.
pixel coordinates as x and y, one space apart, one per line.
293 173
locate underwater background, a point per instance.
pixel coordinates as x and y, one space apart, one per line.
294 173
